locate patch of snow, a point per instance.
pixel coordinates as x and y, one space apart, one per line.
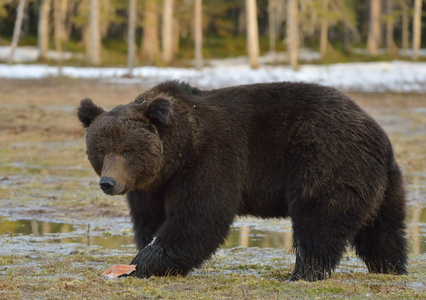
402 52
393 76
28 54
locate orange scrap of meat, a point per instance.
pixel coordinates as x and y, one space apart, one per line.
118 270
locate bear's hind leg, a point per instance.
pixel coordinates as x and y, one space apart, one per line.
382 244
382 249
320 239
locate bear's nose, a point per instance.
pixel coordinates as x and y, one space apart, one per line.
107 184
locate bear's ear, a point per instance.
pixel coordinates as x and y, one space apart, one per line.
160 110
88 111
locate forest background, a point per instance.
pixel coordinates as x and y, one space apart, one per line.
189 32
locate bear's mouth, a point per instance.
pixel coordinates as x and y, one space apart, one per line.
110 187
113 192
124 191
120 192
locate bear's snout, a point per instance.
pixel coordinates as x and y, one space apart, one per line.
107 184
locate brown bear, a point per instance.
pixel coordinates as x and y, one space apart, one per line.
191 160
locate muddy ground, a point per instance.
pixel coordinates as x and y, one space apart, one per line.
46 179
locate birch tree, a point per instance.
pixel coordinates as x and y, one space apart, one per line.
131 36
417 28
252 33
60 8
292 32
17 30
94 42
198 33
324 28
373 39
404 25
150 47
43 28
167 31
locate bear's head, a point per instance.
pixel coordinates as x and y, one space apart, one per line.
124 144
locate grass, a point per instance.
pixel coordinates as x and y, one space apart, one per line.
51 277
42 153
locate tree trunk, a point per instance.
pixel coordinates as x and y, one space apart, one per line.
373 40
324 28
58 32
94 42
60 8
150 47
64 13
43 28
17 30
292 32
131 36
198 34
167 31
417 28
252 33
391 47
405 33
272 13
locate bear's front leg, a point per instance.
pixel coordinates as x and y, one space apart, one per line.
154 261
195 225
147 212
178 253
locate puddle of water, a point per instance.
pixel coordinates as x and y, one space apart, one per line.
34 231
263 235
420 110
244 233
248 236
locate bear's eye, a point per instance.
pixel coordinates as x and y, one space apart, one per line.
101 153
126 153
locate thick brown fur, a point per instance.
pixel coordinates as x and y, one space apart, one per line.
190 161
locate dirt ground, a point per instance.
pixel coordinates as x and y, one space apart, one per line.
39 125
44 175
